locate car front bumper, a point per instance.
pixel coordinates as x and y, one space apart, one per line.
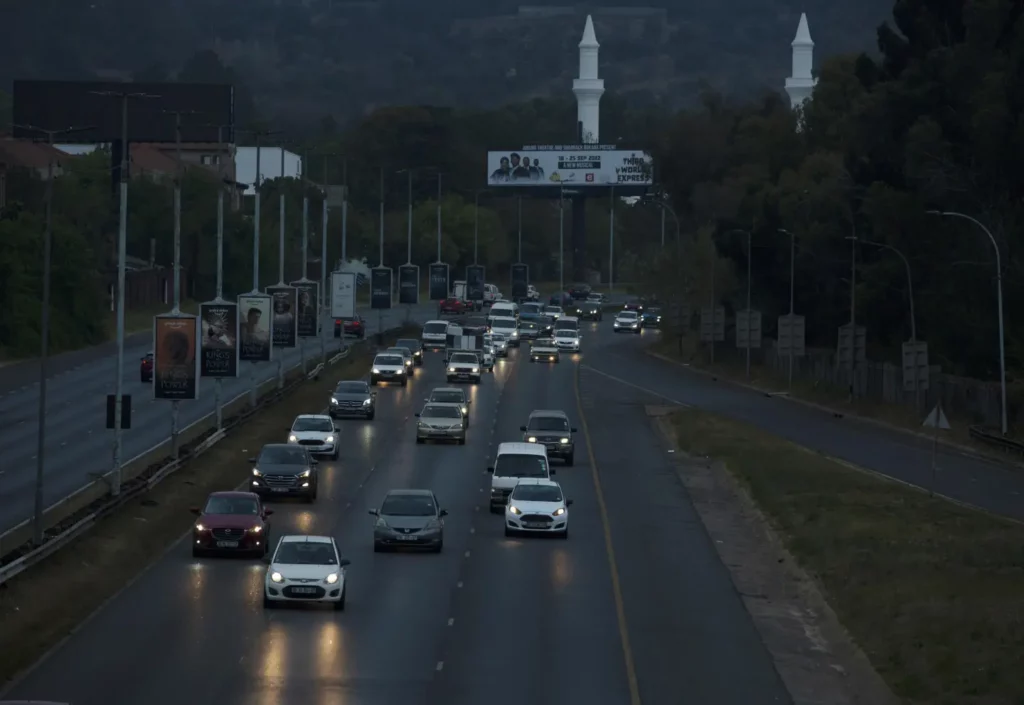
463 375
544 357
298 591
228 540
415 539
442 434
557 450
302 487
318 449
535 523
339 410
389 377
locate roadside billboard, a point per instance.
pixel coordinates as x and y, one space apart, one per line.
577 166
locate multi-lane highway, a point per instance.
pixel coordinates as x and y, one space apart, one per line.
78 444
489 620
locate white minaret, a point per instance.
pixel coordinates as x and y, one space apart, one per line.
800 85
588 87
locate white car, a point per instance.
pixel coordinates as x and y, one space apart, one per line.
407 355
451 395
486 358
316 433
499 342
544 350
567 339
628 321
464 366
389 367
555 312
306 569
507 326
537 507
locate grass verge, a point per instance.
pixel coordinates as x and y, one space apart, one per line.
44 604
833 398
932 592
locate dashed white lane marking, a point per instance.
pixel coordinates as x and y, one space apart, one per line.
451 621
459 584
636 386
440 665
472 531
467 554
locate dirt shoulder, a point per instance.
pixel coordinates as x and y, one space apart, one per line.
46 603
877 576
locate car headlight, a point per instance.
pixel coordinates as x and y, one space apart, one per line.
277 577
465 409
367 402
531 439
408 362
381 524
292 438
333 400
559 512
256 472
400 371
256 529
332 578
476 369
329 439
200 528
515 334
376 371
305 473
514 509
432 525
565 440
451 369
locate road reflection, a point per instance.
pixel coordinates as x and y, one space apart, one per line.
273 665
561 569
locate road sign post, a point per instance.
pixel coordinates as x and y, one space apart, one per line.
712 330
936 420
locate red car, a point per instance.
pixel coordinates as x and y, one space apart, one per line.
232 522
454 306
146 368
351 326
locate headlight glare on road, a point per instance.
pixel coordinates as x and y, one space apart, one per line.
277 577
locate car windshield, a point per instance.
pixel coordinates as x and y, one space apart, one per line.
553 309
530 308
537 493
311 424
389 360
435 328
408 344
498 337
627 314
306 553
436 411
548 423
408 505
352 388
282 455
542 342
513 465
547 320
528 325
468 358
400 351
506 325
655 310
447 397
232 505
565 333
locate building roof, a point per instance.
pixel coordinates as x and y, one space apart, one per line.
147 159
31 155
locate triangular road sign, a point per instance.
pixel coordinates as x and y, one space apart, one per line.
937 418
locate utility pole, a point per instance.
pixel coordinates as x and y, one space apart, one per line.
122 254
260 135
304 177
322 306
222 152
38 528
519 208
792 298
561 240
344 211
611 240
438 216
476 228
380 255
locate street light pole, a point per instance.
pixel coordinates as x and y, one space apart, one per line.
438 216
792 297
519 209
750 258
476 228
561 240
611 240
999 302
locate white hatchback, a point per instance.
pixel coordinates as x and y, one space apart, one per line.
306 569
537 507
567 339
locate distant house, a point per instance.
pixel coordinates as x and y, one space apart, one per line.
28 155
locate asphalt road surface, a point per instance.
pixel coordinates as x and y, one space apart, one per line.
490 620
971 479
78 444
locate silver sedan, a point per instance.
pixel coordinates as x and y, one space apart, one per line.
441 422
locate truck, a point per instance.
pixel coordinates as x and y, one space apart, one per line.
459 341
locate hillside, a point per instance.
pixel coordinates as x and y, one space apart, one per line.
303 57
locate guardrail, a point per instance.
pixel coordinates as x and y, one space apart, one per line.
996 440
138 477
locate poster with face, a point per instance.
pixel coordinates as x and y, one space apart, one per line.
255 341
176 357
306 315
284 325
218 344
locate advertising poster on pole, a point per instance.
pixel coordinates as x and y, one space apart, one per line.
284 322
578 165
308 297
255 341
439 273
218 345
520 280
380 288
176 357
475 282
409 284
343 294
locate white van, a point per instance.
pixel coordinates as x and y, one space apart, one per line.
508 309
514 462
507 326
567 322
491 294
435 335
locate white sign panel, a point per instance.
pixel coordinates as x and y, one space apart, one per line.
343 294
576 167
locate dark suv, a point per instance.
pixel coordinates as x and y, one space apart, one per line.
284 470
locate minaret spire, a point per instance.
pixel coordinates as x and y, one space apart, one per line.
588 87
801 83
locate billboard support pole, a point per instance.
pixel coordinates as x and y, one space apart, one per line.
255 259
175 405
280 258
438 216
323 269
561 240
408 248
519 208
611 241
381 244
122 253
305 245
476 229
344 211
218 384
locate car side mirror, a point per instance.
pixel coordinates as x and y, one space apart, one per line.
337 429
443 512
267 512
468 402
568 502
523 429
196 511
417 415
573 429
373 512
490 470
314 461
252 460
288 429
553 471
344 562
